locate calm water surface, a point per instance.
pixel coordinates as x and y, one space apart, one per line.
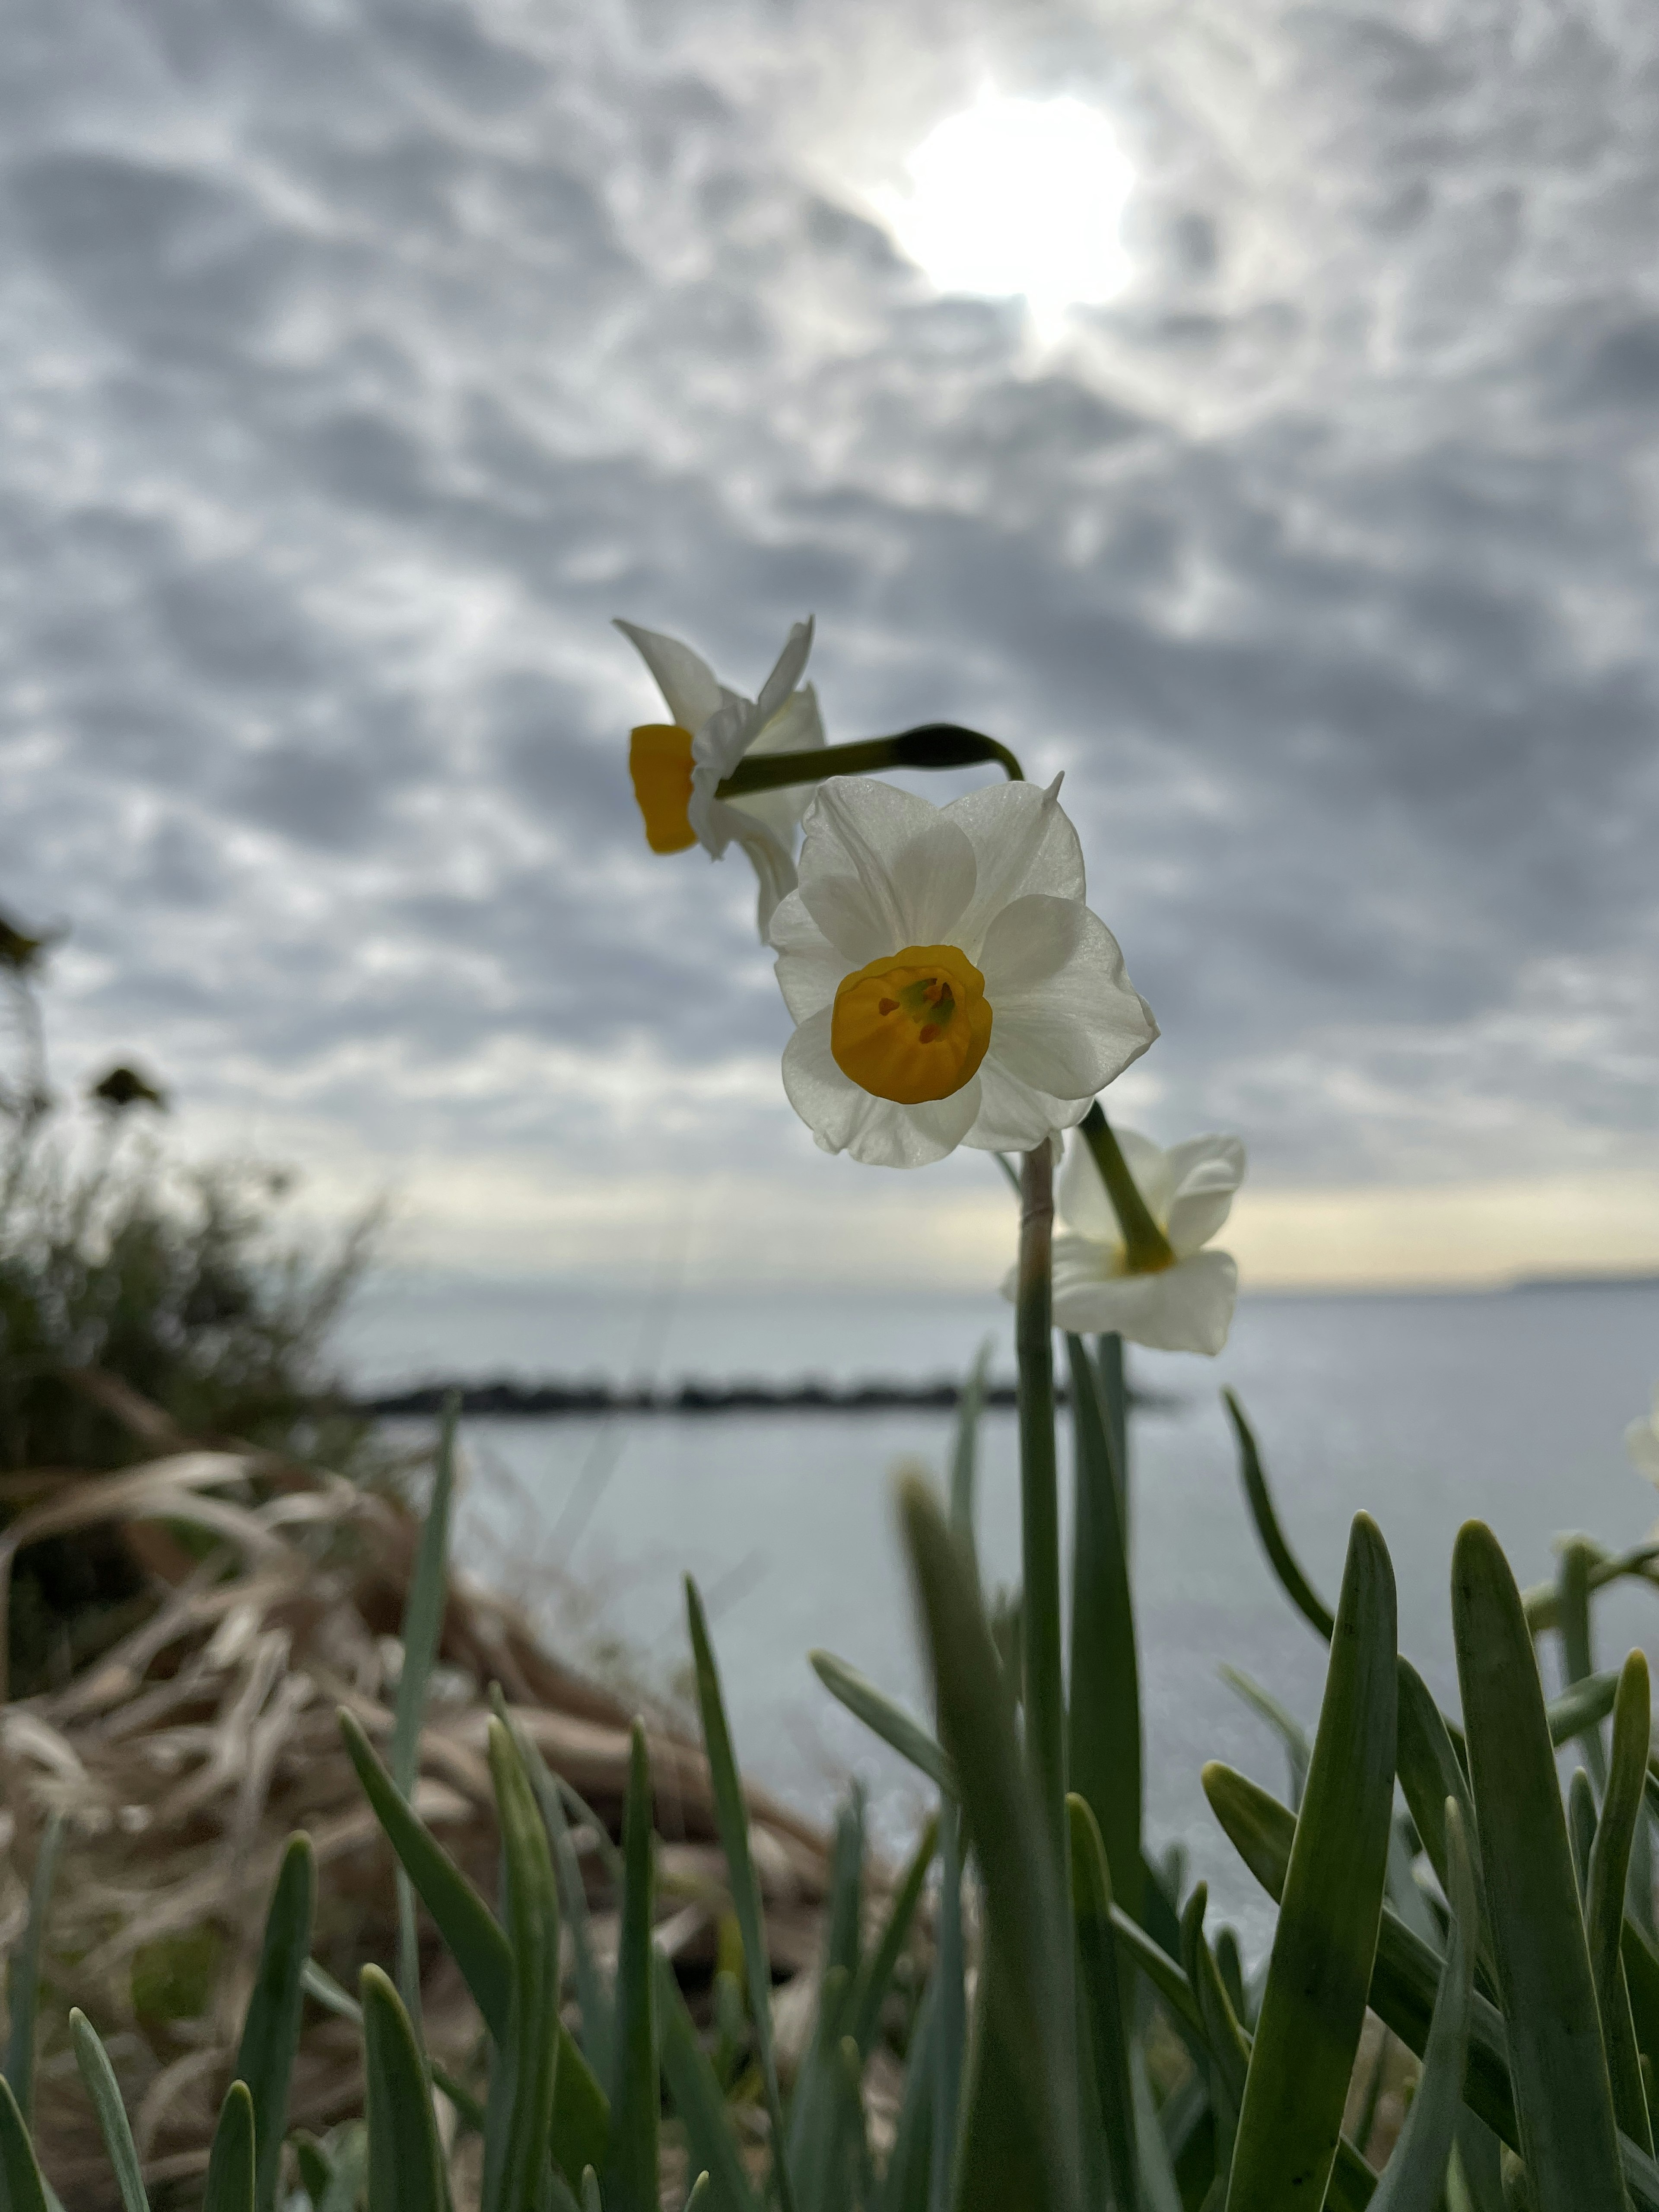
1423 1411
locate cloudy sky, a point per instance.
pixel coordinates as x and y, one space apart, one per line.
363 357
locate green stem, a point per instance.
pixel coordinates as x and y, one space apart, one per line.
1147 1246
931 745
1039 1496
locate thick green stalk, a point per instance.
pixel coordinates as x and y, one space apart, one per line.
1147 1246
930 745
1039 1493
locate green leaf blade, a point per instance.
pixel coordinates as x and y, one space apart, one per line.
99 2077
1563 2097
731 1819
1416 2173
270 2027
630 2169
232 2174
405 2164
1313 2007
1103 1749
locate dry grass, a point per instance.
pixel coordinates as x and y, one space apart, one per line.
185 1755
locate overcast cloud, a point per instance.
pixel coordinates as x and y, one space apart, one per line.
362 360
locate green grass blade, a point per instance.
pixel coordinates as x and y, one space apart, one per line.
405 2164
1352 2184
1313 2006
466 1924
1230 2048
630 2167
886 1719
1283 1561
876 1971
1604 1905
732 1818
270 2027
1026 2067
1577 1657
950 2023
906 2185
423 1625
231 2176
965 1455
1563 2098
1430 1774
698 2101
593 1995
1283 1724
99 2075
312 2163
1162 1972
1416 2173
1406 1976
1105 1751
700 2196
1584 1706
20 2175
530 2048
592 2200
1104 2000
1642 1984
1042 1688
23 1969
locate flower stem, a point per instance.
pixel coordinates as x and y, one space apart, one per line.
931 745
1045 1709
1144 1243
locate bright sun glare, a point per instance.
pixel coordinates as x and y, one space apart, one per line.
1019 195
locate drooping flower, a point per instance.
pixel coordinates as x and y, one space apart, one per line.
1186 1305
948 984
1642 1442
678 766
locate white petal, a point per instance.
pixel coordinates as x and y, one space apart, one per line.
1014 1116
1187 1308
1080 1262
809 969
1207 1171
797 728
775 870
1641 1443
785 674
1068 1023
881 869
846 1119
686 681
1022 842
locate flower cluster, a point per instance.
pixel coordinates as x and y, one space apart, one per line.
948 984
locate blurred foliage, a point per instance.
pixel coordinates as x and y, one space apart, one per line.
176 1281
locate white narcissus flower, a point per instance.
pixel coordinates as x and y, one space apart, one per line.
678 766
948 984
1187 1306
1641 1443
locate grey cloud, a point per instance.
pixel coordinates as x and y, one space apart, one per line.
1323 563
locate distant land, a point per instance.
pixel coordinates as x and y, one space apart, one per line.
552 1400
1587 1279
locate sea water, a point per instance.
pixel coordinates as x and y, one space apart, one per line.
1422 1410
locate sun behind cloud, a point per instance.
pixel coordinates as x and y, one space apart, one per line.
1018 197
